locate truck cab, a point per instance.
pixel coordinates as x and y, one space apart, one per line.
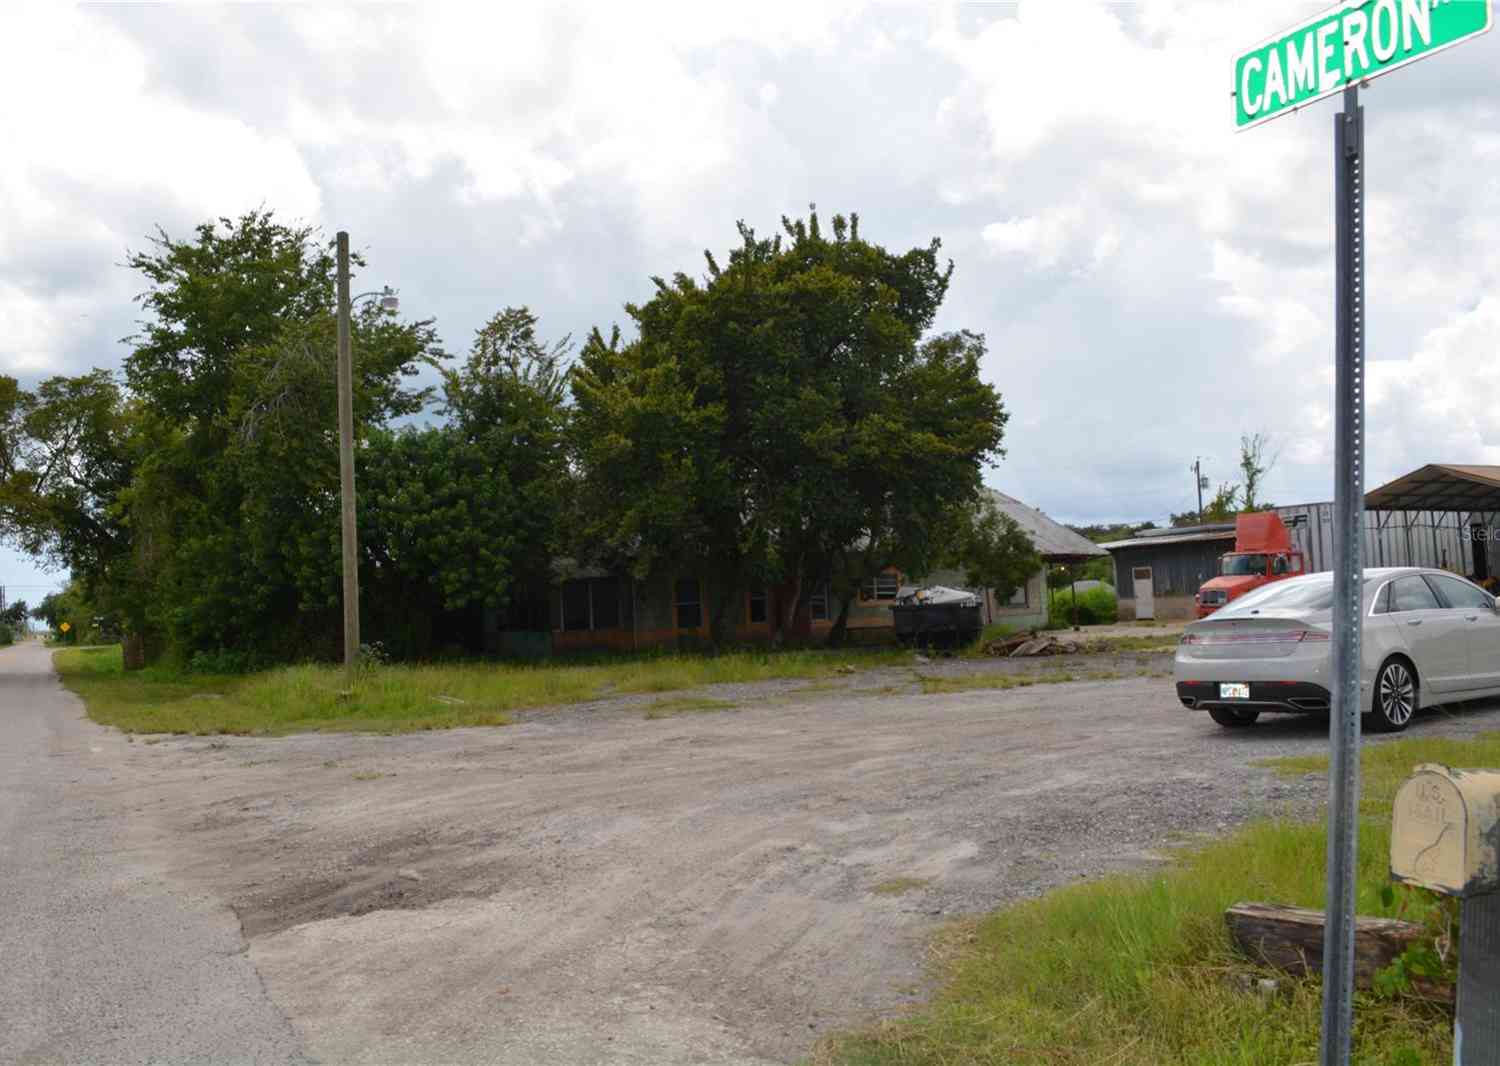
1262 554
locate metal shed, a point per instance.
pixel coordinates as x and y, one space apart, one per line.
1159 571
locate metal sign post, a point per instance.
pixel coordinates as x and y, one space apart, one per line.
1336 50
1348 592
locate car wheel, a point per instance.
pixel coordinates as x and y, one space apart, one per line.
1397 697
1233 717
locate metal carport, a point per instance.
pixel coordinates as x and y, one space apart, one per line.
1471 494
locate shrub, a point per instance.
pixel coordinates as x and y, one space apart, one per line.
1096 606
222 661
7 634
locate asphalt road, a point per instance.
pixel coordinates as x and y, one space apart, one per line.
102 960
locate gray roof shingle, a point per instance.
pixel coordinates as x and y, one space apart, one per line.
1055 543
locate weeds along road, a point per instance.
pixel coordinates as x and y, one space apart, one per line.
590 885
103 956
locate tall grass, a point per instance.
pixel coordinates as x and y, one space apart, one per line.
1139 971
403 698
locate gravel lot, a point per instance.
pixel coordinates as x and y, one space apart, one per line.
591 886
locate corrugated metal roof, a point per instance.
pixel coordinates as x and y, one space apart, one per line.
1180 531
1054 542
1440 487
1180 538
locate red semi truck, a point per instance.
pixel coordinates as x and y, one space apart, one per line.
1262 554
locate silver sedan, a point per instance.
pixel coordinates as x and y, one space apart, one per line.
1429 638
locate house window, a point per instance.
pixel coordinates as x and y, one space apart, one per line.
575 605
1018 597
882 586
817 603
689 605
591 604
757 606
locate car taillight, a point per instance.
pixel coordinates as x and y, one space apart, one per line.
1290 636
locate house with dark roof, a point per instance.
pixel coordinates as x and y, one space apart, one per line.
594 609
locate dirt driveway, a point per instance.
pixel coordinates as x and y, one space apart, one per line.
590 886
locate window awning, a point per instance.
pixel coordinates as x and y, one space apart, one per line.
1439 487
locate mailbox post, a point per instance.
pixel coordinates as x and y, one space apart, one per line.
1445 836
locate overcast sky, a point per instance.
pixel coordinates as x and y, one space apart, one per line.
1151 283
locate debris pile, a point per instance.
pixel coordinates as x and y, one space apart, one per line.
1026 645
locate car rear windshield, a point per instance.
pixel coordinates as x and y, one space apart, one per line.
1309 594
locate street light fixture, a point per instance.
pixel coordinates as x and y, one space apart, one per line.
389 301
350 536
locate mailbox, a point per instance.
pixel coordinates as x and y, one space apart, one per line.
1445 831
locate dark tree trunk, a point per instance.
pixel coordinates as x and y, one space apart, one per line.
839 634
142 646
787 606
720 626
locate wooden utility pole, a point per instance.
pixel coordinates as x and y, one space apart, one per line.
346 467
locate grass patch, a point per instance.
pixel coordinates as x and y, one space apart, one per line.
899 886
1139 971
669 708
1121 645
296 699
1385 767
932 685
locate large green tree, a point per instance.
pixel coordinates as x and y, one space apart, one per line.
460 519
64 460
234 284
201 500
783 419
991 549
233 504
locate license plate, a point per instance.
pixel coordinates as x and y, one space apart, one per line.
1234 692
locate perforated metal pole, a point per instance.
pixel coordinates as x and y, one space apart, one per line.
1348 520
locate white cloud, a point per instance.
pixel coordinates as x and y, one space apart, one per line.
1066 237
32 327
1152 284
1443 401
1115 120
88 136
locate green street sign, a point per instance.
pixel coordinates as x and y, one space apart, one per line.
1347 44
